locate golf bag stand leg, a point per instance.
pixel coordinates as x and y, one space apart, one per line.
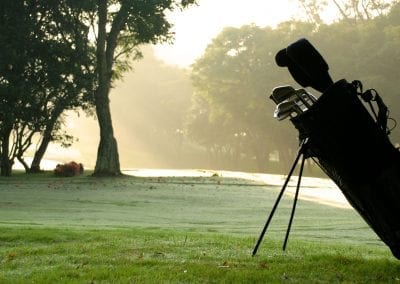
301 152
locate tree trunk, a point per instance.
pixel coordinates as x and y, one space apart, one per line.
37 158
107 163
39 154
261 160
23 163
5 163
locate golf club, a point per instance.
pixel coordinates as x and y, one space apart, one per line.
286 109
281 93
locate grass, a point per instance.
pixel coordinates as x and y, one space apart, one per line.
162 230
132 255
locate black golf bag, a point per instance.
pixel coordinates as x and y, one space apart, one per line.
349 143
354 152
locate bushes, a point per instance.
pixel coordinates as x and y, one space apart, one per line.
69 169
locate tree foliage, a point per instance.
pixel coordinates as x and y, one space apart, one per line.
358 10
349 10
232 82
237 72
44 71
61 55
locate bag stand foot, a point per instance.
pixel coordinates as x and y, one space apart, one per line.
301 153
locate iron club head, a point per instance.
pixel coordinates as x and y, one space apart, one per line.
286 109
281 93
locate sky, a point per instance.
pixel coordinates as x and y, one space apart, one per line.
195 27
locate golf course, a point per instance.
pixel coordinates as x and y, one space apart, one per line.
182 229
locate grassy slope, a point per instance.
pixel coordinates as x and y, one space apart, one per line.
176 229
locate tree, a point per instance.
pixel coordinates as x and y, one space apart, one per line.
349 10
313 9
121 27
70 64
13 76
44 71
231 114
59 33
363 10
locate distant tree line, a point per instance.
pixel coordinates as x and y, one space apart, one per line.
231 116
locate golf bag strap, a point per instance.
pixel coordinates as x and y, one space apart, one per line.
372 95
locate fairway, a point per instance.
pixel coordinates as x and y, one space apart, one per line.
204 204
154 223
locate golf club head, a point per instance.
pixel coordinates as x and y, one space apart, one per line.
281 93
286 109
306 99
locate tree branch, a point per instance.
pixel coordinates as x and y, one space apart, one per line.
116 27
365 8
341 10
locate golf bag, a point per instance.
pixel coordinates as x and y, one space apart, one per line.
353 151
349 144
